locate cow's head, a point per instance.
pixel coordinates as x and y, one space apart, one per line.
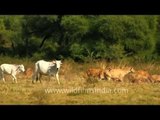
58 63
21 68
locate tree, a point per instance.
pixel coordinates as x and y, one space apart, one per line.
80 37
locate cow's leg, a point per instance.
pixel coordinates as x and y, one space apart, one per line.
39 77
3 77
3 80
33 77
57 77
50 76
14 78
36 72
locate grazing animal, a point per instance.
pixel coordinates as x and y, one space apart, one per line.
118 74
144 76
156 78
11 69
28 73
96 73
140 76
43 67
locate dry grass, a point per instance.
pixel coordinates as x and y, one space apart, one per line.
80 90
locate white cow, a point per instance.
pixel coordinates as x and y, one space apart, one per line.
46 68
11 69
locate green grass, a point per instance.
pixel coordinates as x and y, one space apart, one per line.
71 77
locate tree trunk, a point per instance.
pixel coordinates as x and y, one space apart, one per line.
26 46
13 46
42 43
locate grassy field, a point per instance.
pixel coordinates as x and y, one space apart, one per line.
74 89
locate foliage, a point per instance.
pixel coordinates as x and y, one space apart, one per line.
80 37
